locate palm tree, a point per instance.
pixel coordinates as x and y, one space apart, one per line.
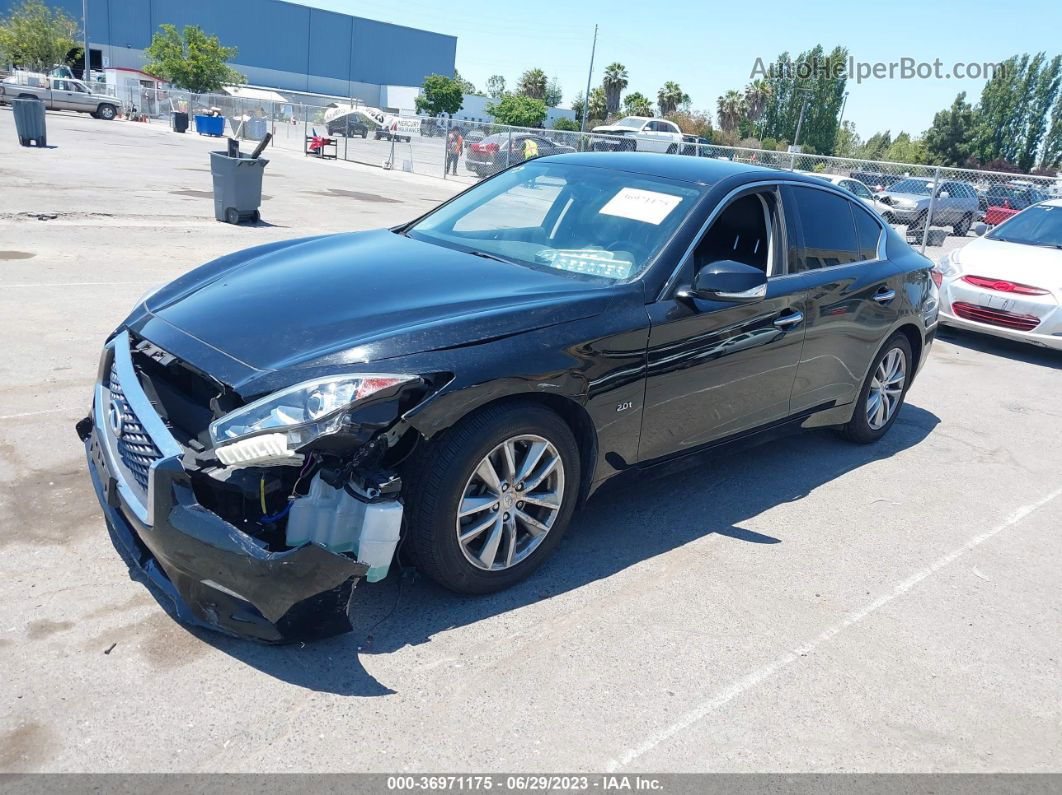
670 97
614 82
598 104
533 83
757 94
637 104
731 108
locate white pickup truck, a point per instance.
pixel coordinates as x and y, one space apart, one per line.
59 93
639 133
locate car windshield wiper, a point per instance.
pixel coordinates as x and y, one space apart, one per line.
488 255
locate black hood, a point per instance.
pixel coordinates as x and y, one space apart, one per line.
369 296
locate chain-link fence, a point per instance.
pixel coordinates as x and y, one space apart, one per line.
928 204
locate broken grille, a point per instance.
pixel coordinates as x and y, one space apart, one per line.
135 447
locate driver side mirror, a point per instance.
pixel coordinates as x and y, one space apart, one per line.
943 195
727 280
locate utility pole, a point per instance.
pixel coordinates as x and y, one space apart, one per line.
88 60
589 77
800 123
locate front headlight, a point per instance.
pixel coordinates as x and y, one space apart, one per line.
277 425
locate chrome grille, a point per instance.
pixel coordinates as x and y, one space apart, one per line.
135 447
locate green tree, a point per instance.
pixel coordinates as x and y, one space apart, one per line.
440 94
614 81
730 108
36 37
950 140
1044 93
905 149
579 105
670 97
467 86
813 76
598 105
757 95
1051 155
495 86
637 104
533 83
876 146
190 59
847 144
518 110
564 123
554 94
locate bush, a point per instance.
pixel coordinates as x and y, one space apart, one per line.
564 123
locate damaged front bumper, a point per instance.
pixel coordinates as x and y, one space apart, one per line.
216 575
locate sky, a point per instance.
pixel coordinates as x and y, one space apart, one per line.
711 47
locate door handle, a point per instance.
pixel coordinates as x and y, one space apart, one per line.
790 320
884 295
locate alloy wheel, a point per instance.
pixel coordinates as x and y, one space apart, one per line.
510 502
886 388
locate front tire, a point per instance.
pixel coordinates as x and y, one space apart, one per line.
490 499
106 112
883 392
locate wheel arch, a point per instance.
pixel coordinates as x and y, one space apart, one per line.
914 337
573 413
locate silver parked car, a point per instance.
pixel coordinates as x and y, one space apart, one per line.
957 204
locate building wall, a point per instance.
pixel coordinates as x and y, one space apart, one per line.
279 43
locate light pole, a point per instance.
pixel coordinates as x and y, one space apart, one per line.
589 77
800 121
87 75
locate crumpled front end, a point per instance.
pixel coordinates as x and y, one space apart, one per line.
215 539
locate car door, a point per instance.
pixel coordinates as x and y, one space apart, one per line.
716 369
80 97
61 95
853 293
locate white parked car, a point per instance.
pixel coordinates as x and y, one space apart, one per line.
856 188
639 133
1009 282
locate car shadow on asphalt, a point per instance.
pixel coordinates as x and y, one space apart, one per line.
632 519
999 346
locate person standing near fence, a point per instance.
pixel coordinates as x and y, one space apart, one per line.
530 148
454 145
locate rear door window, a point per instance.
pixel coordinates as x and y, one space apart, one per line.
829 236
868 233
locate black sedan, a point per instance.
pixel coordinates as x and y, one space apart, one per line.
267 428
501 150
347 127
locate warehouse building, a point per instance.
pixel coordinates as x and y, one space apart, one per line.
281 45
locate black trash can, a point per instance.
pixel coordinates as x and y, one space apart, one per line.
237 186
29 121
180 121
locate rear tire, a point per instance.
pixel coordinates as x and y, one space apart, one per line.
963 227
446 475
869 420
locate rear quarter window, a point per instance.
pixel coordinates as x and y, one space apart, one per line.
829 235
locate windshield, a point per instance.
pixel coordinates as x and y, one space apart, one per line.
919 186
580 220
629 121
1037 226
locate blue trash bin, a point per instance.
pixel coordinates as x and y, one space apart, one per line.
210 125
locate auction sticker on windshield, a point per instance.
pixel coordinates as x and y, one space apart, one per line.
646 206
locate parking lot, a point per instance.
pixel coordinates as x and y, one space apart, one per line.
808 605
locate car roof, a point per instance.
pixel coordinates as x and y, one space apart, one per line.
703 170
1051 203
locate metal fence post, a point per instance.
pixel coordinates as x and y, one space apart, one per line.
346 135
509 147
932 207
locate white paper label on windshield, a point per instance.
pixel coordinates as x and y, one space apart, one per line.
646 206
